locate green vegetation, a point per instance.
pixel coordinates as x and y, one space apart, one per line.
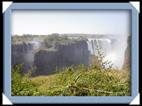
26 38
21 84
55 39
48 39
73 81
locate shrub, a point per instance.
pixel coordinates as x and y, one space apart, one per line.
98 61
21 84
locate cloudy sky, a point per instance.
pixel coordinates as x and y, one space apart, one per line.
93 22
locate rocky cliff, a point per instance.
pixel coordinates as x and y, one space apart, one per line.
127 58
21 54
48 60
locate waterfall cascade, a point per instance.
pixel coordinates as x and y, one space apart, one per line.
110 49
105 47
103 44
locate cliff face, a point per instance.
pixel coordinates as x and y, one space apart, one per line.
127 58
47 61
20 54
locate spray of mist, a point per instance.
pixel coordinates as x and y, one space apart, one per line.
116 55
30 55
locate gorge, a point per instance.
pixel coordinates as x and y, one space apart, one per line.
57 52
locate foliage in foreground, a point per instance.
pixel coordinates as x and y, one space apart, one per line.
21 84
73 81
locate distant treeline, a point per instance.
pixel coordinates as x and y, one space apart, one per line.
30 37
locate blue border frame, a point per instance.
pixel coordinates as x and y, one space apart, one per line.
70 99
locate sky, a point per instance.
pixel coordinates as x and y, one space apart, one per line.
67 21
113 22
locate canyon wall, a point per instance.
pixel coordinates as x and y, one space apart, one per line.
47 60
127 56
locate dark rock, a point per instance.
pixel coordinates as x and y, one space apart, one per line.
47 61
19 55
127 58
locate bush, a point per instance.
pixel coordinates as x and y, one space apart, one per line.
98 61
21 84
72 82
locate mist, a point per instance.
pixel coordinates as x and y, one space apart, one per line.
117 53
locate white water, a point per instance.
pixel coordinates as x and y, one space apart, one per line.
29 57
113 51
104 44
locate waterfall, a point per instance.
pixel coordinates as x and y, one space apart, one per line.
105 47
29 56
36 44
103 44
111 48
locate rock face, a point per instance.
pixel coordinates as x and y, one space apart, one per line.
21 54
127 58
47 61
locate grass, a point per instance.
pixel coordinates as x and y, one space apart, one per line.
73 81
